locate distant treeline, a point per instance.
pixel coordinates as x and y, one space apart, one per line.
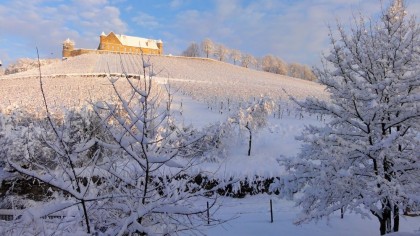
269 63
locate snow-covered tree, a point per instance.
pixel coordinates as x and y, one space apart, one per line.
308 74
207 46
119 168
367 158
157 193
253 117
258 63
192 51
273 64
301 71
220 52
247 60
295 70
59 153
235 55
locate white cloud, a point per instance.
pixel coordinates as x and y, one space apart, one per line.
87 3
145 20
129 8
295 31
38 24
176 3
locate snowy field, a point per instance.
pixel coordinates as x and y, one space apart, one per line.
252 217
204 88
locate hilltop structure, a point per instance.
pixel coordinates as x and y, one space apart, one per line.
116 43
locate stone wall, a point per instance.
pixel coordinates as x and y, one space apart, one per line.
79 52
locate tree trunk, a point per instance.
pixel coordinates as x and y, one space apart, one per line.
86 216
396 219
382 226
249 143
385 222
250 139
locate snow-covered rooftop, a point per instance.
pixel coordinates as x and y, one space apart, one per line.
68 41
137 41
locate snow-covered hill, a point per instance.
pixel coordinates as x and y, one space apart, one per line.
73 81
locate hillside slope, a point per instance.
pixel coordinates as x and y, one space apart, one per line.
79 78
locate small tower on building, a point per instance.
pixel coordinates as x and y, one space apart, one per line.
159 44
68 47
101 41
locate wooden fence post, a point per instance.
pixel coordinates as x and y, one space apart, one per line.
271 210
208 213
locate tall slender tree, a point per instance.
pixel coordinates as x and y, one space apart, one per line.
221 52
192 51
247 60
207 46
235 55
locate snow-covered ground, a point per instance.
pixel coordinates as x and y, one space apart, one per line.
269 144
251 215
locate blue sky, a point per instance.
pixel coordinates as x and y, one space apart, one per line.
295 31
